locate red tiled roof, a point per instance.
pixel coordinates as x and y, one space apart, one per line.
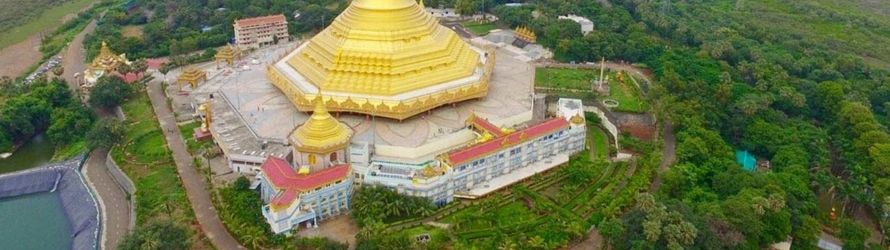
285 199
483 124
260 20
129 77
155 63
280 174
485 148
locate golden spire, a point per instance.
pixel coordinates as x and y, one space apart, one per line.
322 133
105 51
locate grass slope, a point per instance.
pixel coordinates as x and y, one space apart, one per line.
145 158
17 25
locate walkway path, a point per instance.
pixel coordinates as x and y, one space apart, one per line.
668 155
116 216
195 185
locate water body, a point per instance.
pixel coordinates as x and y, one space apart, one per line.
34 221
37 152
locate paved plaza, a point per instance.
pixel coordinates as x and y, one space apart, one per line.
249 110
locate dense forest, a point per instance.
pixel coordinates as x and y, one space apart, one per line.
802 83
170 27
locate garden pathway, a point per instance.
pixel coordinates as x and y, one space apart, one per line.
195 186
668 155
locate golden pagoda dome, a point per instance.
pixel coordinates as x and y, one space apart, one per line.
322 133
384 51
577 119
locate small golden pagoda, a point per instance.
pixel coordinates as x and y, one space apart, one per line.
525 34
192 76
387 58
105 62
322 133
226 54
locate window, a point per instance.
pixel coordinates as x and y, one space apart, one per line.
334 156
311 159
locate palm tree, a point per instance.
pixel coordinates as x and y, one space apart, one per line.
253 236
508 245
536 242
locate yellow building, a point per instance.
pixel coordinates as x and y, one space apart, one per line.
192 76
384 58
226 54
105 62
321 141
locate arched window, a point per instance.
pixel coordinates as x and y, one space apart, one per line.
311 159
333 156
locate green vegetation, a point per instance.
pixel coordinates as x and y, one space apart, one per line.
43 106
161 234
145 158
565 78
801 83
623 90
21 19
479 28
598 142
375 205
109 92
627 94
546 212
171 27
240 209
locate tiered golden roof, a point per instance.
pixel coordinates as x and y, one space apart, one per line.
384 47
226 54
525 34
107 60
377 55
192 76
322 133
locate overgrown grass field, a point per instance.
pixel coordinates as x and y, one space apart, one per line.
21 19
478 28
145 158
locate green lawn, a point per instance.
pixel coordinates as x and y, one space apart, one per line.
480 29
599 142
187 131
626 93
45 22
565 78
144 157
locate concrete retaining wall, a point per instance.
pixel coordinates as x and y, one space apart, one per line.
64 180
125 183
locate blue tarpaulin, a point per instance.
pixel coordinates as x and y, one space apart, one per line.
747 160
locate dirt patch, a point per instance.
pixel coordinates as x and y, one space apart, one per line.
132 31
339 228
643 132
17 58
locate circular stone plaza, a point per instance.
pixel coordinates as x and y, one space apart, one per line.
428 113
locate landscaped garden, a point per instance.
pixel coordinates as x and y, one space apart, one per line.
571 82
547 211
623 90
